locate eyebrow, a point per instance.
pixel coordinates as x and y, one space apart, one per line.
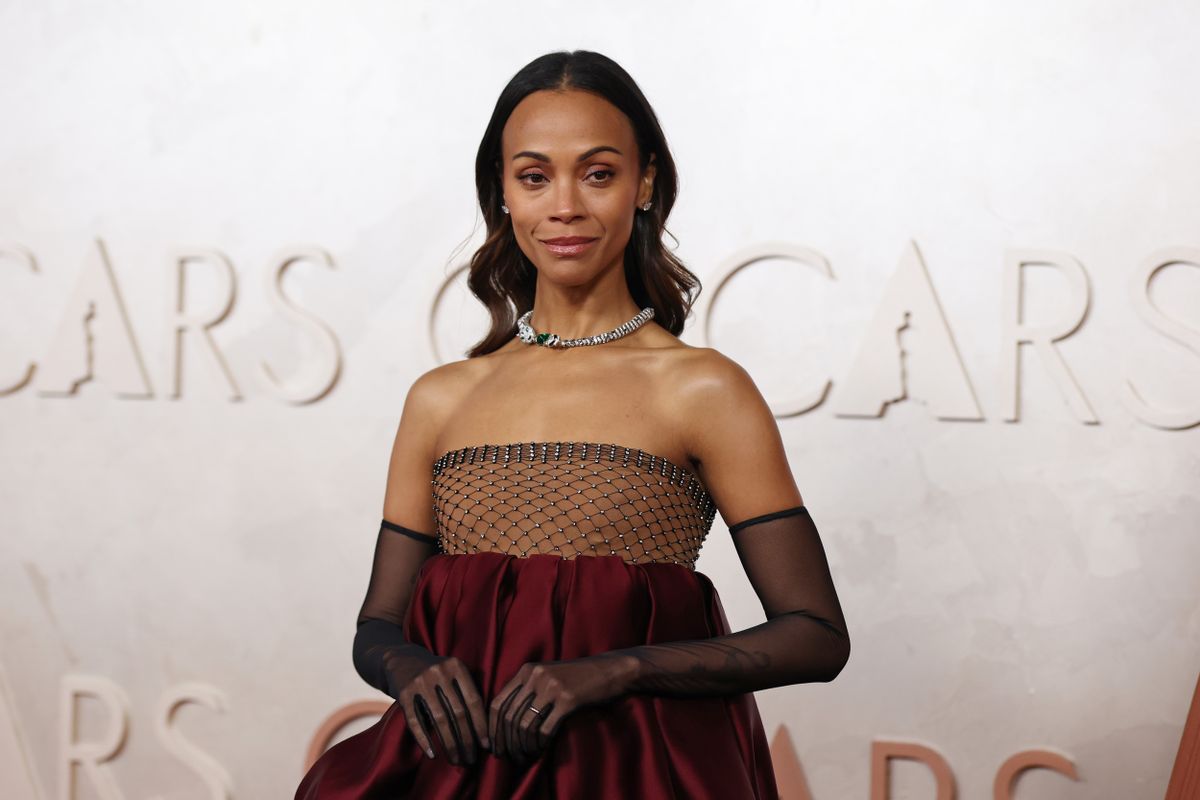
583 156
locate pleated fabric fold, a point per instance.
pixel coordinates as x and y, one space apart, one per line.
497 611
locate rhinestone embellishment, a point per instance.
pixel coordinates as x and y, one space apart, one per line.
527 334
571 499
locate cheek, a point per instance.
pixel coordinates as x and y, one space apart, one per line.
615 212
525 230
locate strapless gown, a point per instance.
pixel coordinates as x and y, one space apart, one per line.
501 592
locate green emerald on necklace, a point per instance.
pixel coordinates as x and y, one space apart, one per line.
527 334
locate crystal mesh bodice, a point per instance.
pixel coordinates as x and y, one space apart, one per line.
570 499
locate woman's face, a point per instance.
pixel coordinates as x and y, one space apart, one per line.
569 163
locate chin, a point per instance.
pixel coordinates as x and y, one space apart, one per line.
569 273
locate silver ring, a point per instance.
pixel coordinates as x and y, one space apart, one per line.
534 710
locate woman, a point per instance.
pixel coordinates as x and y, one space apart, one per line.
540 623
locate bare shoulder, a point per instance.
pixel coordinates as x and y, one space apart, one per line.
704 375
436 389
431 397
731 434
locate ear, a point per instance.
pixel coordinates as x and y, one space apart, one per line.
646 190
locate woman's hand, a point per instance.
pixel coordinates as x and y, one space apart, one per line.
556 689
438 693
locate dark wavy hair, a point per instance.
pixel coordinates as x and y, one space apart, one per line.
503 278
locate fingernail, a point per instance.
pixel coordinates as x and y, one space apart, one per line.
429 752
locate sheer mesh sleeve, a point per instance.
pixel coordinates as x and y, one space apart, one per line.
380 650
804 639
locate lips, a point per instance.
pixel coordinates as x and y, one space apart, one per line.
569 240
569 245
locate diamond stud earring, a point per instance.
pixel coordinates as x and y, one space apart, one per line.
504 208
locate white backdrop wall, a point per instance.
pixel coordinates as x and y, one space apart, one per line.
1014 577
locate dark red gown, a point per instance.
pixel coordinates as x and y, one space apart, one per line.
559 550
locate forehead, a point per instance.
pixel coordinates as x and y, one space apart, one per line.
564 123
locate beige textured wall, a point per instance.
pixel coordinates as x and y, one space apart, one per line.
1015 575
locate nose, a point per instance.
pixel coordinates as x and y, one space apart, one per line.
567 204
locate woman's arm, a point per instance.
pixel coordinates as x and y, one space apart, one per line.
405 539
734 438
437 693
381 651
804 639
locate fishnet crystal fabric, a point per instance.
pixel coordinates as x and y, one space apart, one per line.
570 499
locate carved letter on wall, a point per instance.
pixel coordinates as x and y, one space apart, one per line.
215 776
91 756
881 372
1014 765
338 720
883 751
1017 332
14 252
95 328
789 772
1139 292
200 324
322 379
752 255
17 778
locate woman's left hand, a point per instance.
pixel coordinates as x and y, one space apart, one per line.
556 689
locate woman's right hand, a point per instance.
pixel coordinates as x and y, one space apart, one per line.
438 693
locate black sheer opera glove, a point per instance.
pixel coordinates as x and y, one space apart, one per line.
437 693
556 689
804 639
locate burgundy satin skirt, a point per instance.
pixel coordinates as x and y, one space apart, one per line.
495 612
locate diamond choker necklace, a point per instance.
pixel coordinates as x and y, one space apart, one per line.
527 334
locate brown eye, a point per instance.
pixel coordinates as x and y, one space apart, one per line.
607 173
531 175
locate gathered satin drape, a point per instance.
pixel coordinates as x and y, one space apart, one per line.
496 611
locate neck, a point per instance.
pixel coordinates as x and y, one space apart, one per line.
575 311
582 322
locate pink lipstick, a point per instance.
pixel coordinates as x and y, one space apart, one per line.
569 245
